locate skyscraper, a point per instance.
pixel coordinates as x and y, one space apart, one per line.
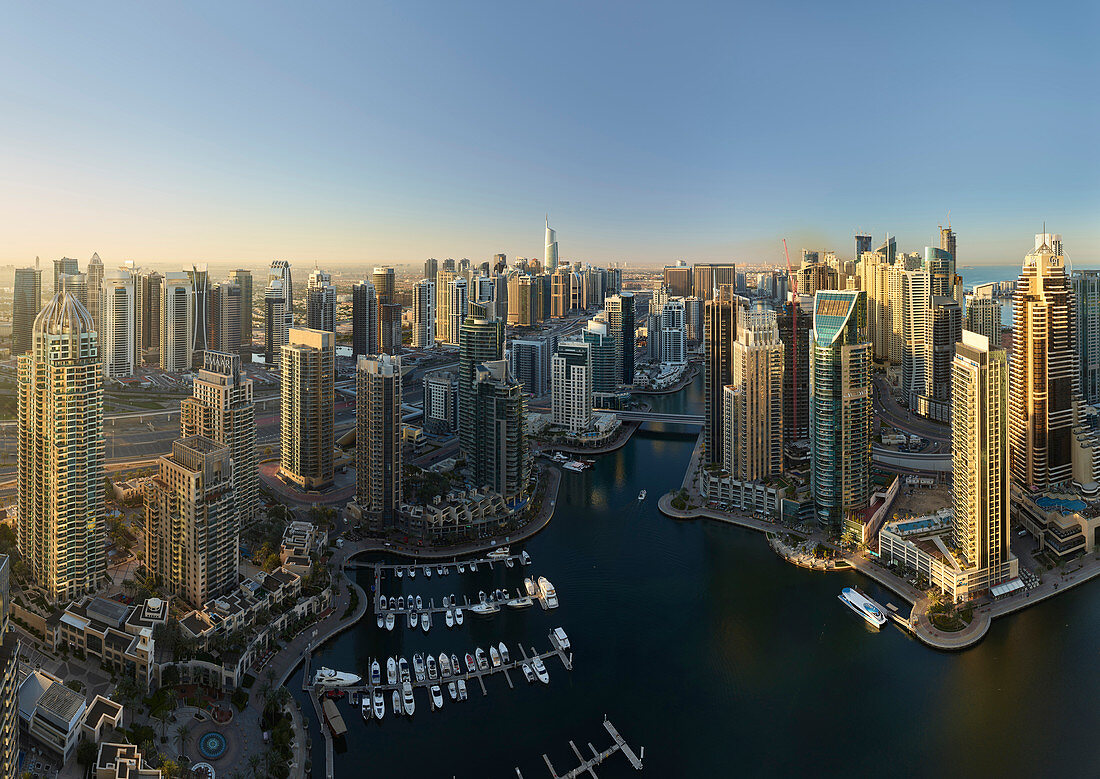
431 268
796 371
559 293
320 302
364 319
61 522
916 303
389 328
384 284
708 277
753 401
983 316
226 300
673 333
200 304
529 362
9 678
147 310
66 266
423 332
840 410
481 340
720 326
308 403
678 280
77 284
95 285
443 296
571 399
276 329
620 324
1086 296
378 439
243 279
221 409
192 527
550 252
457 306
176 312
863 244
26 303
116 324
947 244
280 269
524 300
940 265
498 456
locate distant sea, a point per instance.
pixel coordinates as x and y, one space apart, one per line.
974 275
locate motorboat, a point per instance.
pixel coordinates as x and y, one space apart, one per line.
641 495
499 554
418 666
574 465
326 677
494 655
461 568
445 571
391 671
449 618
530 586
390 621
364 708
540 670
452 690
462 689
508 562
561 638
503 652
409 618
473 566
439 569
433 669
547 592
444 664
393 603
481 596
524 557
519 603
864 606
400 573
412 571
403 670
528 673
381 619
407 699
419 602
484 609
396 701
426 621
458 617
428 571
482 663
456 669
379 705
470 663
437 696
375 673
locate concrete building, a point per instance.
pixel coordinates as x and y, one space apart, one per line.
916 302
243 279
620 326
276 330
61 523
481 340
524 300
66 266
983 316
795 323
192 527
815 275
943 332
77 285
9 673
122 761
176 313
550 251
753 402
149 290
1086 297
560 286
378 474
423 331
443 296
226 301
497 453
571 400
840 410
678 280
200 304
221 409
389 328
529 361
320 301
364 319
457 306
116 324
673 333
720 317
95 288
708 278
280 269
26 304
308 404
384 284
441 402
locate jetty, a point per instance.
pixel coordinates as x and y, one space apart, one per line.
588 765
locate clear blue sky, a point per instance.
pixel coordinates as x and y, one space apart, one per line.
168 132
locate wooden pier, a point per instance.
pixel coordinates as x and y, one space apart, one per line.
588 765
435 566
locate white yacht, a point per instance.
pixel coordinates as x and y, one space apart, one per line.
418 667
509 562
864 606
407 699
562 639
540 670
400 573
379 705
452 690
390 621
375 673
461 568
473 566
403 670
419 602
484 609
462 689
503 652
437 696
471 664
482 663
641 495
364 708
412 571
444 665
433 669
396 701
528 673
401 603
499 554
525 558
449 618
393 603
458 617
428 571
519 603
391 671
548 594
529 584
381 619
411 619
439 569
327 677
456 669
494 655
426 621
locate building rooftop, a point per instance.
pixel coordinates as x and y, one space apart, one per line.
61 702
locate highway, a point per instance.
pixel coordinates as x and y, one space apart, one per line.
890 411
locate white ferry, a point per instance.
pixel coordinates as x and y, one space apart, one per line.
864 606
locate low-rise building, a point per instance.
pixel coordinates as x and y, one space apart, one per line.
460 515
1066 524
56 717
123 761
120 636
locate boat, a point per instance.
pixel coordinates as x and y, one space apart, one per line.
641 495
327 677
393 603
426 621
428 571
396 701
418 666
391 671
412 571
484 609
452 690
508 562
462 689
499 554
444 665
335 720
419 602
470 663
390 621
458 617
403 670
381 619
449 618
375 673
481 596
400 573
519 603
379 705
494 655
540 670
401 603
503 652
437 696
456 669
529 584
547 592
473 566
461 568
864 606
409 618
482 663
574 465
364 708
439 570
524 557
433 669
561 638
528 673
407 699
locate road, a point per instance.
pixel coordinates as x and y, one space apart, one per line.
889 410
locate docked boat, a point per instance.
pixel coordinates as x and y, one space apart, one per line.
412 571
400 573
481 596
508 562
335 720
462 689
574 465
524 557
437 696
426 621
458 617
456 669
326 677
409 619
418 667
484 609
401 603
547 592
433 669
482 663
390 621
444 665
446 570
529 584
364 708
528 673
499 554
393 603
391 671
375 673
379 705
403 670
494 655
864 606
381 619
503 652
461 568
419 602
449 618
473 566
428 571
407 699
519 603
471 665
452 690
540 670
562 639
641 495
439 569
396 701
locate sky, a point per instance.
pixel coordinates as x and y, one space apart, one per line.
650 132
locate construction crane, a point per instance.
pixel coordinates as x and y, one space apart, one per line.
792 279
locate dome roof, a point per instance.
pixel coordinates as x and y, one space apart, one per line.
63 315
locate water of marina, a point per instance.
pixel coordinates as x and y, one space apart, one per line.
719 658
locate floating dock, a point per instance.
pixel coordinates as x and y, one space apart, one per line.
588 765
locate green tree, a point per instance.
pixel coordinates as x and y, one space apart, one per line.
183 732
86 752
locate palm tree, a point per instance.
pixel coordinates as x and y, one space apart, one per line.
183 732
254 761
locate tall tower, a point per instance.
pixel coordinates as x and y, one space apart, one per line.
863 244
571 386
378 439
389 328
443 305
200 303
499 457
916 302
226 301
423 335
243 279
95 285
753 401
116 323
457 308
364 319
275 320
66 266
280 269
983 316
9 678
550 252
720 332
320 302
384 284
796 370
431 268
176 312
61 523
221 409
481 340
840 410
979 453
1086 295
308 404
26 304
620 323
148 314
947 244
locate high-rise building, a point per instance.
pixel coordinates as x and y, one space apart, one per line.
116 324
308 405
979 454
529 361
378 439
605 375
1086 296
876 270
673 333
200 304
693 319
431 268
192 527
77 285
947 244
364 319
983 316
620 324
720 317
26 303
1043 381
320 302
795 335
61 522
66 266
840 410
221 409
550 252
863 244
176 312
944 331
708 277
571 399
443 295
678 280
95 286
275 320
226 300
243 279
147 309
9 678
815 275
498 456
280 269
560 293
384 284
753 401
423 331
915 304
481 340
441 402
524 300
389 328
456 309
940 265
